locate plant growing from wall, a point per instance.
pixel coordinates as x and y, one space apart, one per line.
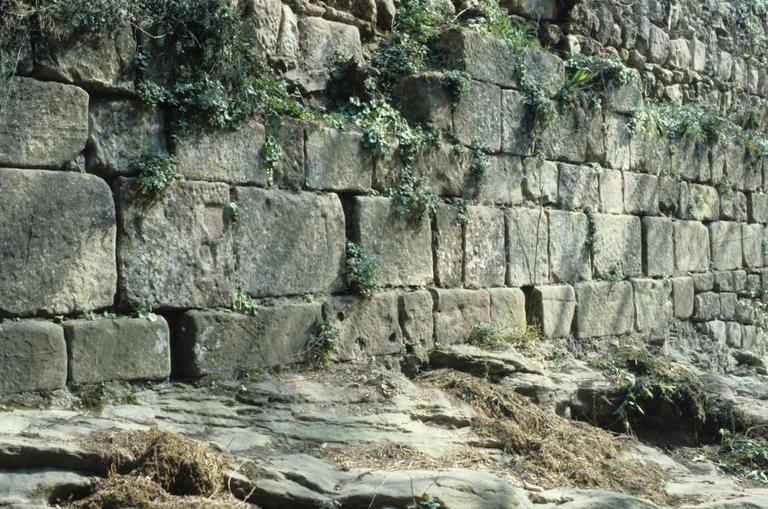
271 153
588 78
157 174
413 197
457 83
362 271
593 232
322 344
479 163
244 303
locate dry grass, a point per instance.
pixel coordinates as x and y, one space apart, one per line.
550 450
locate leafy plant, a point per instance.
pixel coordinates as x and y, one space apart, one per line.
593 232
479 162
743 456
589 78
362 271
157 174
457 83
322 344
414 197
425 502
271 153
147 314
244 303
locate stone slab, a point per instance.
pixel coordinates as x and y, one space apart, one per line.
33 357
604 309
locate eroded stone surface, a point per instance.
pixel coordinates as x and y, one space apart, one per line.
33 358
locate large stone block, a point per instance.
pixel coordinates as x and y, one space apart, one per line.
658 246
527 246
641 194
690 159
507 309
457 311
703 203
367 327
553 308
120 133
503 182
653 307
103 62
33 356
682 297
446 168
117 349
484 252
569 247
672 193
224 343
416 318
517 124
576 136
176 251
725 238
424 98
449 248
57 243
578 188
733 206
540 181
758 207
289 170
623 150
337 161
45 124
233 156
706 307
289 243
728 303
611 191
604 309
477 115
691 247
617 246
402 245
752 244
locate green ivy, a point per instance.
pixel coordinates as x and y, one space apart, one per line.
271 153
157 174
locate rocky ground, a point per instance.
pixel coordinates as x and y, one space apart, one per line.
482 429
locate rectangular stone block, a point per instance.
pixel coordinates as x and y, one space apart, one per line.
484 251
517 124
321 41
223 343
449 247
728 281
446 169
611 192
682 297
623 150
617 246
690 159
752 244
33 356
527 246
653 307
578 188
367 326
703 282
423 98
532 9
728 303
402 245
726 243
733 334
503 182
691 247
758 207
289 169
553 308
569 247
457 311
540 181
416 318
673 196
706 307
477 116
117 349
57 243
658 246
703 203
604 309
176 252
641 194
233 156
507 309
337 161
289 243
575 137
45 124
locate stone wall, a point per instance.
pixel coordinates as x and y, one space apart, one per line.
585 230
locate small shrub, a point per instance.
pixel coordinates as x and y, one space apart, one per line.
234 210
244 303
485 335
157 174
362 271
457 83
322 344
424 502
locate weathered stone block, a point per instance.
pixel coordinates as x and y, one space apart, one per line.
233 156
706 307
533 9
611 192
225 343
576 136
729 281
484 253
726 243
703 203
717 331
672 193
728 303
446 169
289 243
682 297
703 282
45 124
653 308
417 320
507 309
626 99
337 161
691 247
517 123
733 334
658 246
503 184
177 251
553 308
617 246
477 115
752 244
449 251
57 244
604 309
569 247
117 349
289 170
403 246
734 169
540 181
457 311
679 54
424 98
578 188
527 246
33 357
758 207
641 194
733 206
623 150
658 45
